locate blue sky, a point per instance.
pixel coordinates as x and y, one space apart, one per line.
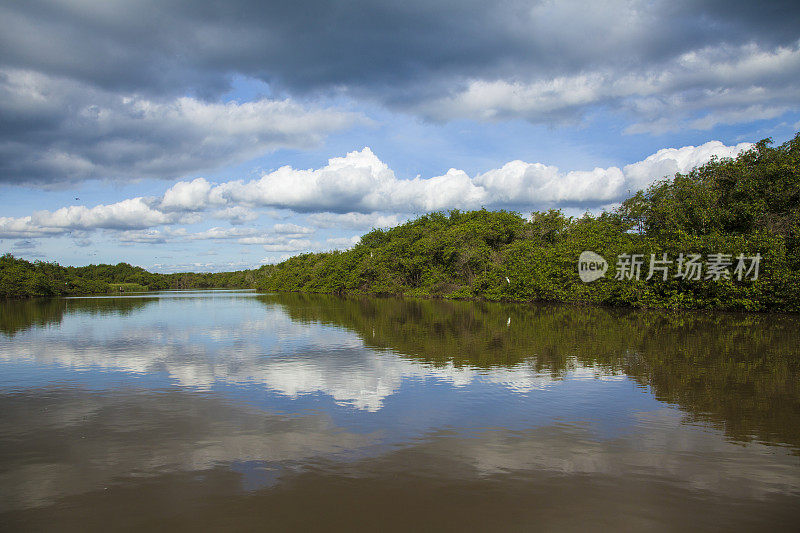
215 136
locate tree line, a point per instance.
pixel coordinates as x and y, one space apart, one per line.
21 278
729 208
748 206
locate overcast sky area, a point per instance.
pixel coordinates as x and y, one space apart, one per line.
182 135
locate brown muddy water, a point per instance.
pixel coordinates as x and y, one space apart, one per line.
230 410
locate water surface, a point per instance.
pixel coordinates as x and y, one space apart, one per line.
230 409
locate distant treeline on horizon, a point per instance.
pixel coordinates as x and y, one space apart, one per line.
21 278
744 206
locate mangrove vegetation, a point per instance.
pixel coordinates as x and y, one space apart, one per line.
747 207
738 218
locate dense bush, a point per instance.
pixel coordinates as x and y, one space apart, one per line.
20 278
749 205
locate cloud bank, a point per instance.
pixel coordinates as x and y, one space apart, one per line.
58 130
355 191
126 90
698 90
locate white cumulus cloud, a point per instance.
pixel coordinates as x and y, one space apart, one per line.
699 89
359 191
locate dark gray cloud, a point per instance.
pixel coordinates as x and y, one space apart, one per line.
93 89
178 46
56 129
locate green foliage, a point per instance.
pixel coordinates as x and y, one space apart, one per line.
746 205
20 278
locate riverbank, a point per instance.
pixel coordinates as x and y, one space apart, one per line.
25 279
724 236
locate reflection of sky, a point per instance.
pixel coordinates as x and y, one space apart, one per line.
255 388
239 343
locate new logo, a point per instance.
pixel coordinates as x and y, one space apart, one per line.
591 266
